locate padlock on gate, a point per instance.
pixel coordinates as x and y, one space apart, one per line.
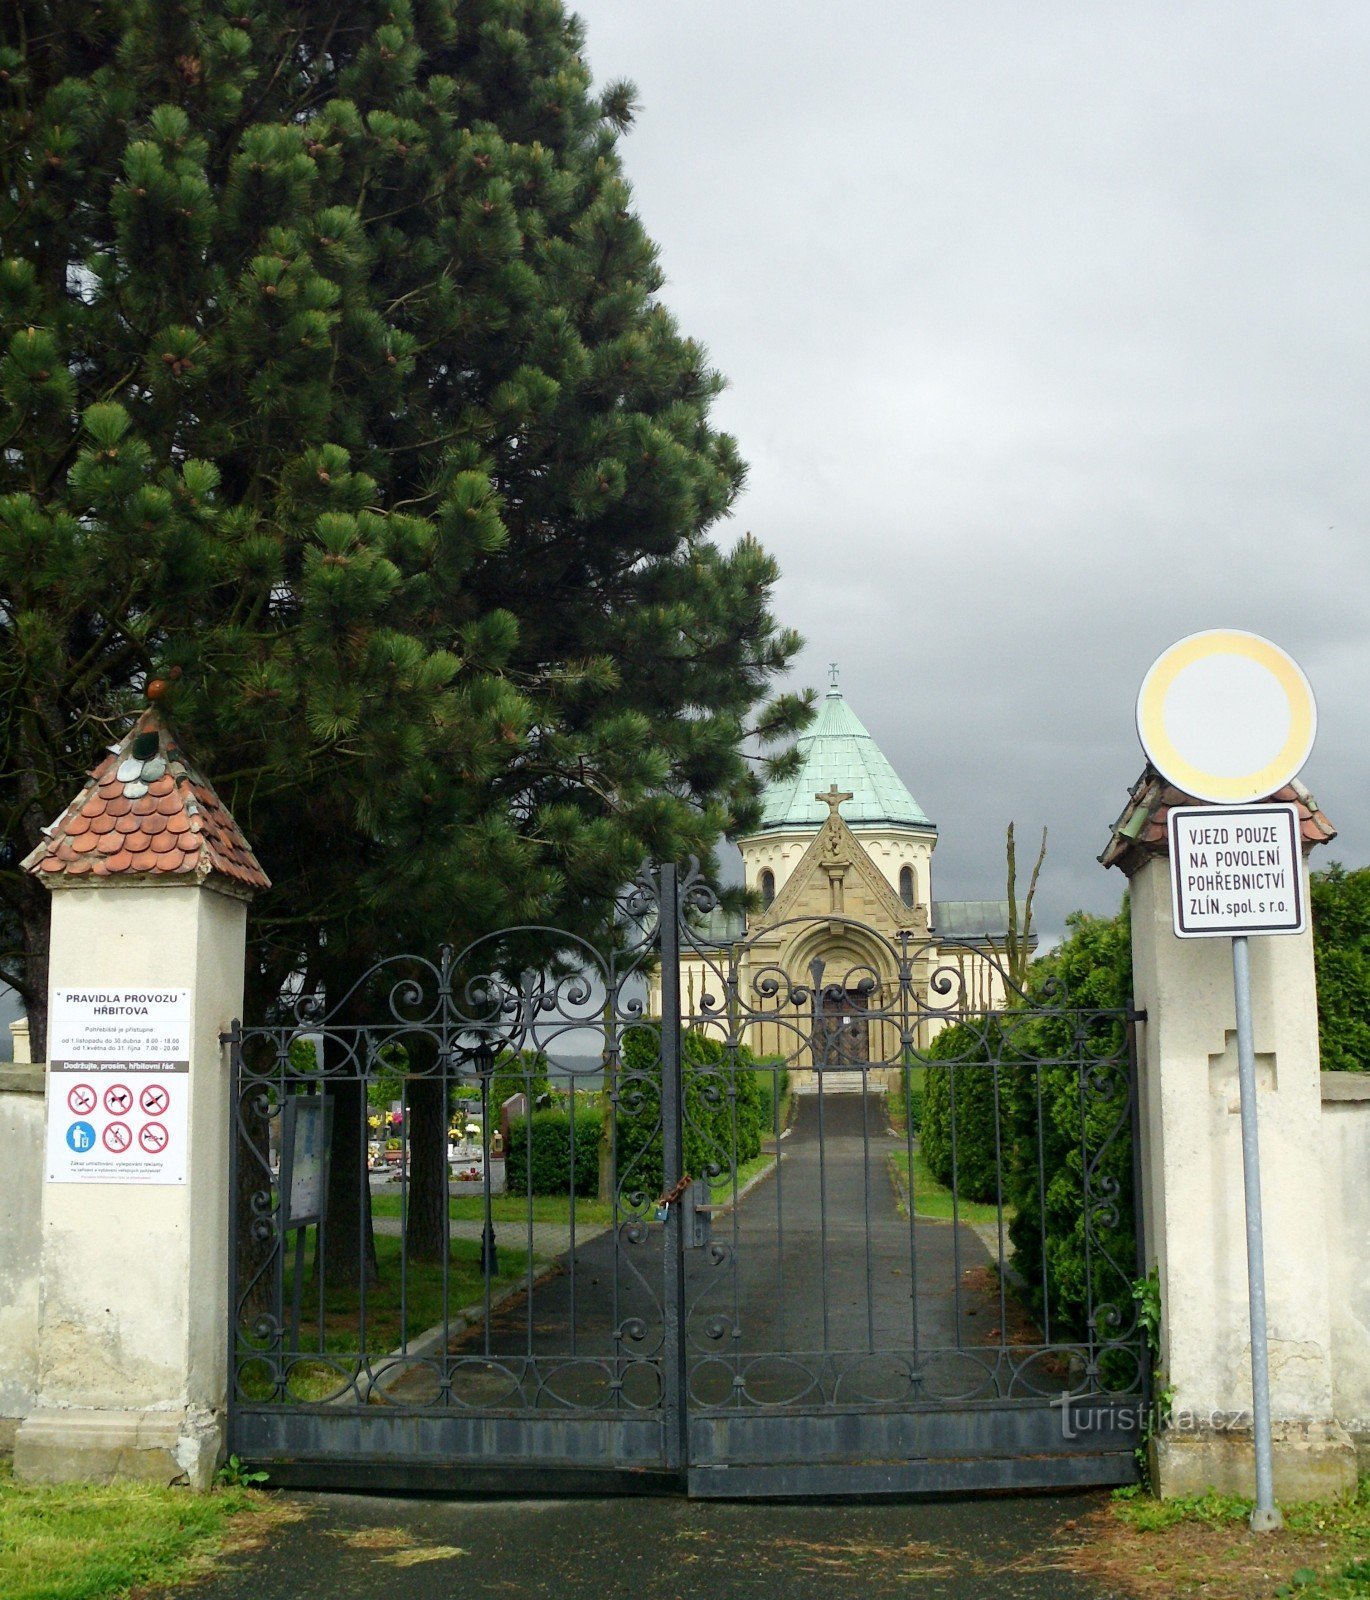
672 1197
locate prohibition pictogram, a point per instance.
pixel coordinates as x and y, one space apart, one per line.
81 1098
153 1138
154 1100
118 1099
117 1137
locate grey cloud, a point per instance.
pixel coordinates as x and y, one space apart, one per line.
1047 344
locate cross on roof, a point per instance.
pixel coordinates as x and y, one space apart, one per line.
832 671
833 798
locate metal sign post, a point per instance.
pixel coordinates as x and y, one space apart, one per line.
1229 718
1266 1515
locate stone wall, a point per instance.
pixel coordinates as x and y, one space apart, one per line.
1346 1169
21 1193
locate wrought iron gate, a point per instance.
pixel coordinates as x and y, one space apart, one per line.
712 1245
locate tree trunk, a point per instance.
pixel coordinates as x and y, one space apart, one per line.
349 1252
348 1256
426 1131
36 921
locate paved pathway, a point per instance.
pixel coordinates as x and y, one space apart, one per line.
825 1261
354 1547
814 1264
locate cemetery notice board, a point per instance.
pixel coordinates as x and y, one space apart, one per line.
118 1086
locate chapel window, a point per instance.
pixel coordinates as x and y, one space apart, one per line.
906 887
767 885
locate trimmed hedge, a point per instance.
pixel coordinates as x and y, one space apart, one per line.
1040 1106
1093 967
726 1113
548 1150
729 1110
960 1096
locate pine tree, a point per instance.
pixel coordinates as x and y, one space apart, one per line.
335 383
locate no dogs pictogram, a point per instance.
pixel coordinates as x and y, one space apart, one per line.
118 1099
81 1098
117 1137
154 1100
153 1138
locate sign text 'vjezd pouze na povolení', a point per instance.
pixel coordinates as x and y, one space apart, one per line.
1235 870
118 1085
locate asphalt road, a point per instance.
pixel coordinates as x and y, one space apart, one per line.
351 1547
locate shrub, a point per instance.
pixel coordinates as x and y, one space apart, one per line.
914 1108
962 1097
1093 966
1037 1093
546 1151
1341 951
522 1073
725 1108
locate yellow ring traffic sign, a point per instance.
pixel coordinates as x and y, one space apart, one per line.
1226 716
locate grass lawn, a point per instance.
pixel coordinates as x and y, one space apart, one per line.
721 1191
1201 1546
933 1199
512 1208
342 1334
88 1541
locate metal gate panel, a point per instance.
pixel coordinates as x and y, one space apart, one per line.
747 1284
482 1338
855 1321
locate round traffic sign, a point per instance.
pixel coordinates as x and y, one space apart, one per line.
1226 716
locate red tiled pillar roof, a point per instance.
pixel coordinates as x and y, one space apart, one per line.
147 814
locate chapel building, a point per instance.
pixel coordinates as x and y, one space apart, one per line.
842 867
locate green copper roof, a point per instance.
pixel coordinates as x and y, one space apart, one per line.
838 750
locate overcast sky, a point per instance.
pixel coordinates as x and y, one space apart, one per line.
1047 334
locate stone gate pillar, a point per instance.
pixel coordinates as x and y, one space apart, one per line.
150 878
1192 1197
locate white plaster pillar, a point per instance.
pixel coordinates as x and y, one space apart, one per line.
1193 1206
150 879
134 1278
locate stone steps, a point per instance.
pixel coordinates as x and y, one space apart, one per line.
839 1080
